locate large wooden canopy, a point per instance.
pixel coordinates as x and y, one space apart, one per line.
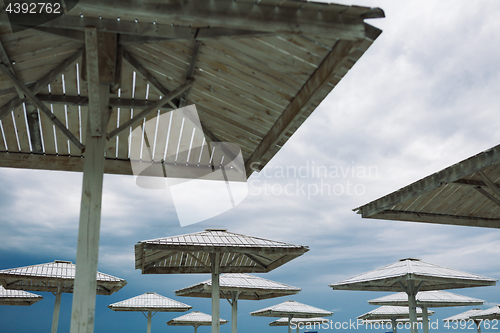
260 69
466 193
73 89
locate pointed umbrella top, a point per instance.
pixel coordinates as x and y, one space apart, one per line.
434 298
45 277
195 318
17 297
150 301
390 312
291 308
433 277
491 313
251 287
190 253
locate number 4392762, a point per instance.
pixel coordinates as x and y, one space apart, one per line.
33 8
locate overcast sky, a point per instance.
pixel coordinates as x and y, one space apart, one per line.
424 96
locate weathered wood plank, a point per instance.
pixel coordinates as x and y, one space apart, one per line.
304 97
180 51
22 130
174 137
10 133
185 141
70 81
125 114
60 112
43 52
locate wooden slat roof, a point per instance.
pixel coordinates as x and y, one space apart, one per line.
431 299
465 193
491 313
251 287
433 277
17 297
195 318
150 301
391 312
304 321
293 308
191 253
260 69
45 277
463 316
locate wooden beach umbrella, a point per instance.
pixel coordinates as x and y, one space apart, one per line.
149 304
17 297
465 317
411 276
73 88
299 321
56 277
465 193
235 286
213 251
392 314
488 314
195 319
291 309
428 299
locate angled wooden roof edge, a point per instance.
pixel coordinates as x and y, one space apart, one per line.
246 15
448 175
333 62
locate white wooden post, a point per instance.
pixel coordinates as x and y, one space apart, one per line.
425 319
412 304
234 311
195 328
394 325
57 307
149 321
87 252
215 293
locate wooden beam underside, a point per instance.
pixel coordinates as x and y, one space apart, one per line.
454 173
111 166
240 92
241 16
437 218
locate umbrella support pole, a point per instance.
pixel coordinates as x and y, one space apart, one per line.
425 319
412 304
394 326
87 252
195 328
290 324
234 311
149 321
215 261
478 324
57 307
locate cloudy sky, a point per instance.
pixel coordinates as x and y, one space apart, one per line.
423 97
